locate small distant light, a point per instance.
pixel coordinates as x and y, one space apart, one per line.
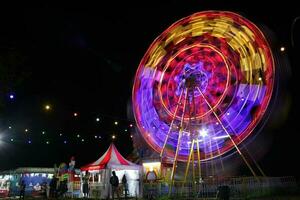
99 137
65 142
47 107
113 137
97 119
259 78
11 96
11 139
282 49
47 142
43 132
131 136
217 123
153 127
26 130
82 140
116 123
131 125
9 127
29 141
75 114
60 134
125 130
148 135
243 99
96 136
228 113
78 136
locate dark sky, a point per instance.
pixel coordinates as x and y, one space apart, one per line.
82 58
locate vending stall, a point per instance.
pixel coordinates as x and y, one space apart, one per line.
100 171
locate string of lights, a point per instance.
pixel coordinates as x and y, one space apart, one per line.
21 134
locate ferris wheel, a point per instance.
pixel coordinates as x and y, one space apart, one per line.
203 86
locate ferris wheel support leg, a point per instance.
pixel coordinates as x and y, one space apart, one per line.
234 144
175 163
212 161
167 137
178 145
199 160
220 157
256 164
188 166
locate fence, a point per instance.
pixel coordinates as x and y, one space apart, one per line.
240 187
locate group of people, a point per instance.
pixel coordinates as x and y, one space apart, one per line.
53 191
114 182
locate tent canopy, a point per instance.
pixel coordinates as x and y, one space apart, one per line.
110 159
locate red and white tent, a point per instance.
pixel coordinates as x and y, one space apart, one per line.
110 159
101 169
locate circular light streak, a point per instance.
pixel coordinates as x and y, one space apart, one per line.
211 71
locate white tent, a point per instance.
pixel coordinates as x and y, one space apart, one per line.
101 169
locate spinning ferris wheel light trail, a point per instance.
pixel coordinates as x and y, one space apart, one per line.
202 88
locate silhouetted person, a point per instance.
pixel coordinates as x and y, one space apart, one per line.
53 185
85 186
125 186
114 181
44 190
22 189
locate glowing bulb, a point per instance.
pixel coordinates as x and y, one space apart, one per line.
9 127
75 114
43 132
96 136
11 139
259 78
47 142
131 136
282 49
47 107
97 119
116 123
60 134
113 137
203 132
65 142
82 140
131 125
78 136
11 96
26 130
29 141
125 130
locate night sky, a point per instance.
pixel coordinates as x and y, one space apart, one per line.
82 58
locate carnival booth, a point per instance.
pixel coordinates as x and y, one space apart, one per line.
68 179
33 177
100 171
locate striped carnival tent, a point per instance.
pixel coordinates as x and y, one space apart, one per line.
111 159
100 171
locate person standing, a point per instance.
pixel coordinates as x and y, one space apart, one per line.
114 181
125 186
22 189
85 185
